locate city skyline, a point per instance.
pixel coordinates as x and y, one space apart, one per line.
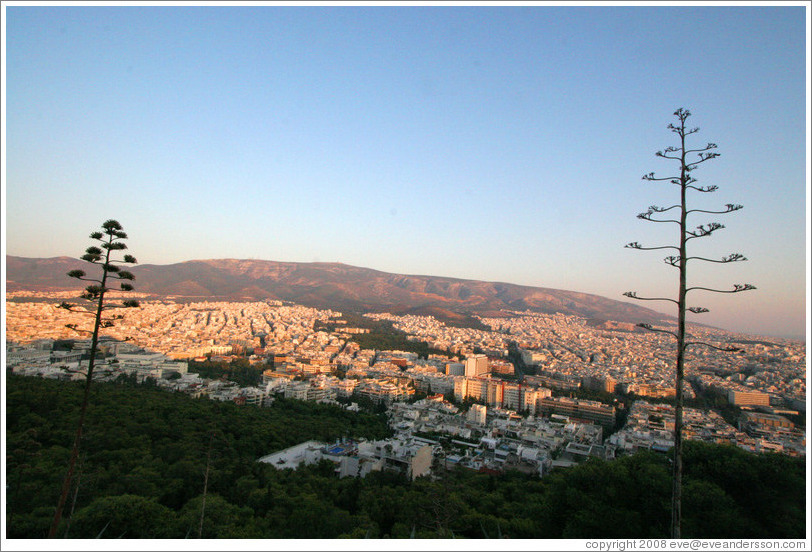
476 142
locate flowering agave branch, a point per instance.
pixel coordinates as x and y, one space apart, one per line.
685 181
110 241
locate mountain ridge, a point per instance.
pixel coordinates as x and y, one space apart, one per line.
331 285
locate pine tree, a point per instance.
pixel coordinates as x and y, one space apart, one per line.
110 241
688 160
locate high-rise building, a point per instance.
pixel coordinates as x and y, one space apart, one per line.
754 398
501 367
477 414
592 411
476 365
455 369
500 393
599 383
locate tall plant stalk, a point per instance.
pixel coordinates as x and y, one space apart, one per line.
685 181
110 239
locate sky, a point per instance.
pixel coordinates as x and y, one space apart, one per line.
487 142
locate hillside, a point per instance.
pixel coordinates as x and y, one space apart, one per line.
333 285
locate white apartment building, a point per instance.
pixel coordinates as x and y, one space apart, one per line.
476 365
477 414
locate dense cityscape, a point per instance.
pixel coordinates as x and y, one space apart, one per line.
383 254
510 396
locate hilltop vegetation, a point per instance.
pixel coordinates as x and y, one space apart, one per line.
382 336
144 459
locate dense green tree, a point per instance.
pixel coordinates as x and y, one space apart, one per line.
222 520
239 370
123 516
153 466
712 512
752 481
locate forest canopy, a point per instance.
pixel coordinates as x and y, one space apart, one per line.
141 475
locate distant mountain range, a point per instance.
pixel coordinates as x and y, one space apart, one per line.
332 285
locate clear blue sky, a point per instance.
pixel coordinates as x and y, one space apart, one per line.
494 143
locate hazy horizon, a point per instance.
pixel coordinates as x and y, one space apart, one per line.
492 143
799 337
